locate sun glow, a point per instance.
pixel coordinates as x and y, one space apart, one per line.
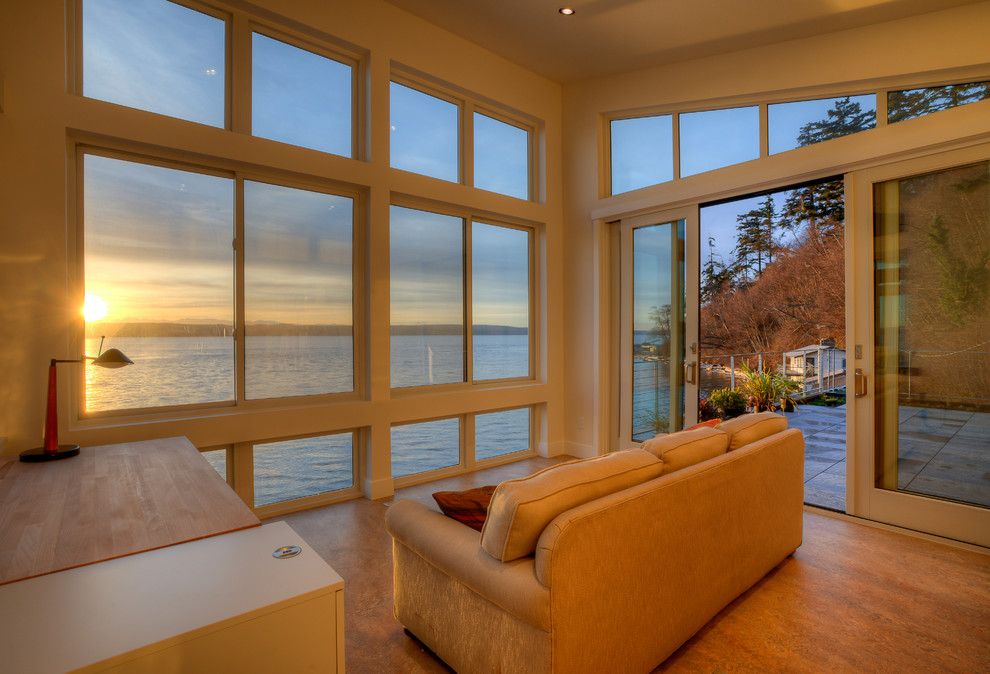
94 308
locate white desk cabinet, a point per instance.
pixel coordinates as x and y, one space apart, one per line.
220 604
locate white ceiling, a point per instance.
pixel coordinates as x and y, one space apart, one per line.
604 37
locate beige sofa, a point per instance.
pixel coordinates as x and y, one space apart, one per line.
635 551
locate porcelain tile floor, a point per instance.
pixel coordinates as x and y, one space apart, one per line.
943 453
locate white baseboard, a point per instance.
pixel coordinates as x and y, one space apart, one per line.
376 489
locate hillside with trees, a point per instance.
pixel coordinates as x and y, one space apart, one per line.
783 287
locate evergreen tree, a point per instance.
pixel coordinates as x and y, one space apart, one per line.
820 207
715 275
755 242
902 105
845 118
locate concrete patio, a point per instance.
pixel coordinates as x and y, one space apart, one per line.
943 453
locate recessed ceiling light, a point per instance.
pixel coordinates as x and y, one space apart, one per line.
566 11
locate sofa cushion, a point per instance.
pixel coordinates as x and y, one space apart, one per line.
686 448
469 507
748 428
521 509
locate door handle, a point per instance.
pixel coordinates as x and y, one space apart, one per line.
689 372
860 383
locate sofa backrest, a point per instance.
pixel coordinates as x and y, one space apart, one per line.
521 509
728 486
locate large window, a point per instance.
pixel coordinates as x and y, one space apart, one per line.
160 279
298 266
501 157
429 340
159 283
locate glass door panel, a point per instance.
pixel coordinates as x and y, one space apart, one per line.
929 407
653 328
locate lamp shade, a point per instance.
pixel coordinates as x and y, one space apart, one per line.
112 358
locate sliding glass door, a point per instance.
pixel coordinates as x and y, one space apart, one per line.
922 345
658 389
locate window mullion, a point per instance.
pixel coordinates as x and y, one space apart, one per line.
239 332
239 74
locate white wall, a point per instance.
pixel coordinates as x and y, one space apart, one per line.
942 45
39 315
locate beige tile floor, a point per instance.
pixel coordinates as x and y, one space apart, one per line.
942 453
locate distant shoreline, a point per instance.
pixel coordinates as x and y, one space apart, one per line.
163 329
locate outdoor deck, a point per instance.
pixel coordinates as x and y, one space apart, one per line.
943 453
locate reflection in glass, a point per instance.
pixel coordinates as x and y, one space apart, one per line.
217 459
297 292
711 139
500 282
658 328
425 134
157 56
501 157
157 245
291 469
427 297
911 103
500 433
299 97
801 123
931 247
642 152
422 447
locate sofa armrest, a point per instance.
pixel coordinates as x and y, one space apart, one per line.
455 549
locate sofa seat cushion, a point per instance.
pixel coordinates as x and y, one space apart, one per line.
469 507
686 448
521 509
748 428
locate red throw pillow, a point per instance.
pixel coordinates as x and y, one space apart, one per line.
469 507
711 422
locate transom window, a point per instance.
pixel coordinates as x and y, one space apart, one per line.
429 132
642 149
170 59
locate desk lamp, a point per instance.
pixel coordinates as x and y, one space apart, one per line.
111 358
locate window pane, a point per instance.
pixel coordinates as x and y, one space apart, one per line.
642 152
500 301
931 302
218 459
425 134
297 292
418 448
657 321
802 123
299 97
500 433
159 260
157 56
501 157
902 105
291 469
427 297
712 139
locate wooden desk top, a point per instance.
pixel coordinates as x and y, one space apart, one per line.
108 502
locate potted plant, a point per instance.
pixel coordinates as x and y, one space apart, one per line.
768 389
729 402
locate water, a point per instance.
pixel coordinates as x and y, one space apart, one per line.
197 370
